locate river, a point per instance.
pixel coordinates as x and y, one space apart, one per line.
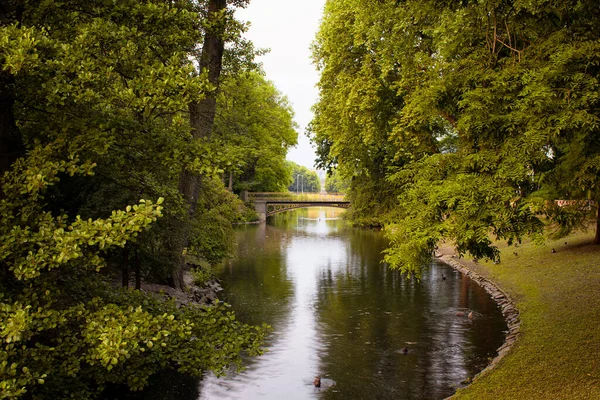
339 313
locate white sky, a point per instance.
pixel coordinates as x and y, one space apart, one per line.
288 27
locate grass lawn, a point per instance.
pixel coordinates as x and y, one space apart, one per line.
557 355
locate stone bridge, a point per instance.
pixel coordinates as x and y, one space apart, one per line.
267 204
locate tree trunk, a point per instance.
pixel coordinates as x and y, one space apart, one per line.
231 181
202 116
138 270
125 267
597 237
11 143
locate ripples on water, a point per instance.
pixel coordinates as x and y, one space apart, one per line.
339 313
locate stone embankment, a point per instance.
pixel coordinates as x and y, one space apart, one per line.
206 294
509 311
192 294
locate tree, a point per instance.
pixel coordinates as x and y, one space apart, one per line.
255 127
96 95
202 116
490 103
218 209
354 117
305 180
335 184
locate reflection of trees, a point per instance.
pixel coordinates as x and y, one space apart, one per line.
367 313
167 385
308 221
288 219
256 281
486 332
460 347
365 320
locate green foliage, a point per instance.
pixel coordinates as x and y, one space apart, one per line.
255 125
35 241
212 236
110 83
66 333
468 120
203 274
53 352
372 202
98 93
305 180
334 183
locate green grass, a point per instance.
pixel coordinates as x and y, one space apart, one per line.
557 355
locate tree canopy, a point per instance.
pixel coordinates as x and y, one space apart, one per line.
460 120
255 124
334 183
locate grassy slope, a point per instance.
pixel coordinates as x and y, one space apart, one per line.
557 355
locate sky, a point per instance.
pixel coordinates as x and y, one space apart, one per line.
288 27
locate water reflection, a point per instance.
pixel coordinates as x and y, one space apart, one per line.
339 313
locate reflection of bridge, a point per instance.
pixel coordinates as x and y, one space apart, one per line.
267 204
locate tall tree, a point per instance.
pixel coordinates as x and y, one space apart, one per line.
489 104
255 127
202 115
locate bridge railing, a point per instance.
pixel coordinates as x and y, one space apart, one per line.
289 196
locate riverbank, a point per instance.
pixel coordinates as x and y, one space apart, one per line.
556 288
205 294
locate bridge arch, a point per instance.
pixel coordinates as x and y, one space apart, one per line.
276 208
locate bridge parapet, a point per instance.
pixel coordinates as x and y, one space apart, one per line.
290 196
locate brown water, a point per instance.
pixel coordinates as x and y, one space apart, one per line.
339 313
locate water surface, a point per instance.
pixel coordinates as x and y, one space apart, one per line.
338 312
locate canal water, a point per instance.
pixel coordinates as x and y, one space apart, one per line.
339 313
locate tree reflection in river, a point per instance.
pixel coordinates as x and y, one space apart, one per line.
338 312
261 290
